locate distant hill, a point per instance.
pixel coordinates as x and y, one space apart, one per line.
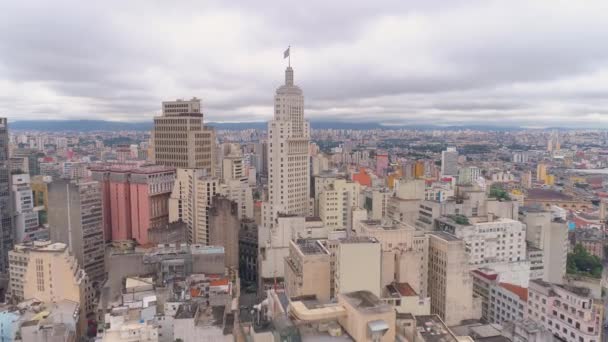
101 125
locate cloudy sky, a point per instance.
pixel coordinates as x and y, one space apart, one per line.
529 63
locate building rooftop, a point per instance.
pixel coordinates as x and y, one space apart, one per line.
358 239
486 273
405 289
444 236
577 290
42 246
547 194
521 292
366 301
310 247
432 329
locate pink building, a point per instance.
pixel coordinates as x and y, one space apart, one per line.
135 199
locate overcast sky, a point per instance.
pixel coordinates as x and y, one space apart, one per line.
528 63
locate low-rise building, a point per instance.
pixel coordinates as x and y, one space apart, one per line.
568 312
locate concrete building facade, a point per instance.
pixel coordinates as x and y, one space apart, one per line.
307 270
135 199
450 284
7 234
181 139
76 219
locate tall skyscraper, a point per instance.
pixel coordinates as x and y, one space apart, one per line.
449 162
181 139
7 233
288 160
76 219
288 176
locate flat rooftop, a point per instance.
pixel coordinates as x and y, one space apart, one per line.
358 239
310 247
547 194
444 235
432 329
365 301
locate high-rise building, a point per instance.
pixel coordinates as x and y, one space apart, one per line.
571 313
192 195
307 270
449 162
468 175
358 265
550 236
288 160
242 194
450 284
31 157
288 174
232 166
541 172
499 243
181 139
7 233
27 225
76 219
526 179
224 229
336 202
135 199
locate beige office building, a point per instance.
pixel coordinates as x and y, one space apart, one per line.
450 284
307 270
47 272
358 265
190 200
181 139
336 202
550 236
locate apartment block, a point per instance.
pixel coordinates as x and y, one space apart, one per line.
570 313
307 270
501 302
450 284
336 201
549 235
46 272
190 200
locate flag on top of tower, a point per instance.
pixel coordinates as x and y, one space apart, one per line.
286 53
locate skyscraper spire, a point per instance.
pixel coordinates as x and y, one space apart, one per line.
289 76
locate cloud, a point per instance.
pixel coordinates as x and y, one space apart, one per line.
496 62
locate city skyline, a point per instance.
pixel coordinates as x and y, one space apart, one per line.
395 63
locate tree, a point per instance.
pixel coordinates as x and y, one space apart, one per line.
583 263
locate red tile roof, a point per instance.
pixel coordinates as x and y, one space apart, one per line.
521 292
486 275
405 289
219 282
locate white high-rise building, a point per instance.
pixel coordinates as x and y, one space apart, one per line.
288 160
27 226
190 200
288 171
449 162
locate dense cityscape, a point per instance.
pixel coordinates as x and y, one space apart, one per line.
190 232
